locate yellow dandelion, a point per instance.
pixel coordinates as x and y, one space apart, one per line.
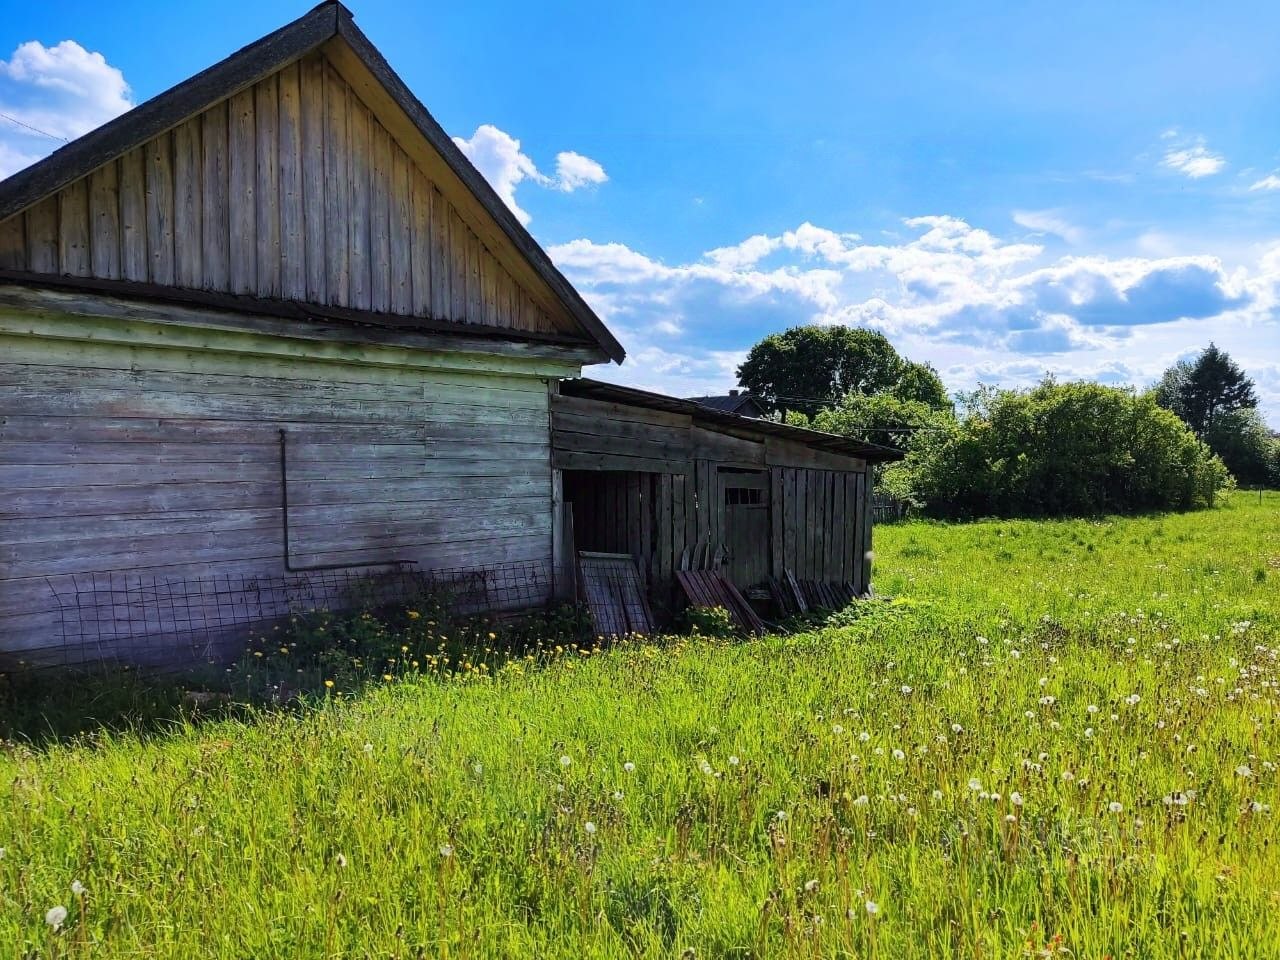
414 614
387 677
329 684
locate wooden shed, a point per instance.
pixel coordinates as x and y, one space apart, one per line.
269 322
672 482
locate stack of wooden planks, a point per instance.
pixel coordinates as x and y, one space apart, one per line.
614 593
710 589
793 596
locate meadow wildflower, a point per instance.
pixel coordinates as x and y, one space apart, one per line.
446 850
589 827
340 860
1115 806
1244 770
734 761
1015 798
629 767
811 886
368 749
77 888
862 800
975 784
56 917
566 760
899 755
872 908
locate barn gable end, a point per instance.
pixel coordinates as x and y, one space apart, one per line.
308 175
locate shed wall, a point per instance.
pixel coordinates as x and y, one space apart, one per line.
136 447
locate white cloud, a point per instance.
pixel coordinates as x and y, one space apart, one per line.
499 157
1191 158
573 171
1048 221
62 91
1270 182
975 305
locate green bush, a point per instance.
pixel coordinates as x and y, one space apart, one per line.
1068 449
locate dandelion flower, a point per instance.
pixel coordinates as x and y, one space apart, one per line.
937 795
77 888
368 749
706 767
566 760
862 800
956 728
446 850
589 827
56 917
734 761
811 886
1015 798
1 853
329 684
905 688
340 860
899 755
1115 806
975 784
872 908
617 794
628 766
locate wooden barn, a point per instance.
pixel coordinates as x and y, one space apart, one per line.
273 324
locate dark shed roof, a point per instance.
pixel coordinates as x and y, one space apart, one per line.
328 20
612 393
735 402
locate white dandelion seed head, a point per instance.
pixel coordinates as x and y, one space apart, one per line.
1015 798
629 767
734 761
55 917
861 800
367 748
617 795
1091 708
811 886
1115 806
872 908
77 888
905 688
340 860
864 736
899 755
975 784
446 850
566 760
937 795
589 827
956 728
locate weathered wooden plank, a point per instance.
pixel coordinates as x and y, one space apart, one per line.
266 110
359 239
215 253
188 216
315 202
13 243
293 253
42 236
570 460
458 232
618 430
133 216
242 193
104 221
788 453
379 217
488 289
475 292
676 450
409 495
777 523
441 268
866 516
400 232
337 193
160 209
664 544
600 411
420 257
74 257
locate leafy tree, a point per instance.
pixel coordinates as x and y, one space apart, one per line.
807 368
883 418
1250 451
1201 390
1065 449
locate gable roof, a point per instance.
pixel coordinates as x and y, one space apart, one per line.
328 22
736 402
832 443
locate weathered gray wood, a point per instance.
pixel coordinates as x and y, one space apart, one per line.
777 523
160 212
266 111
13 243
293 255
133 216
458 231
42 236
104 221
188 220
569 460
400 233
337 195
379 218
242 193
73 235
421 262
216 214
315 202
359 241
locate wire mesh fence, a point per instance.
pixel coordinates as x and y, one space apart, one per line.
151 620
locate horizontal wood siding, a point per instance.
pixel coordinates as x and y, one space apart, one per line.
289 189
165 460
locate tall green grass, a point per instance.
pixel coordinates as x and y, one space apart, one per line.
1062 741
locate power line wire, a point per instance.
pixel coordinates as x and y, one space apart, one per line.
43 133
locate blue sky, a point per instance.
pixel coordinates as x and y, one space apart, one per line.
1090 189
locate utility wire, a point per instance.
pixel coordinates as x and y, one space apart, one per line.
43 133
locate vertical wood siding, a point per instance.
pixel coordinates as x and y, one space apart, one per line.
290 189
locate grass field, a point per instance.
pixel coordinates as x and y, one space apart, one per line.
1062 740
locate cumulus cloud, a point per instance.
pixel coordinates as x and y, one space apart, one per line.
502 161
574 171
54 94
975 304
1192 158
1270 182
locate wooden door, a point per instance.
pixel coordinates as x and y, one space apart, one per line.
744 495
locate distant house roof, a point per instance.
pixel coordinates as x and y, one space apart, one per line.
735 401
830 442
